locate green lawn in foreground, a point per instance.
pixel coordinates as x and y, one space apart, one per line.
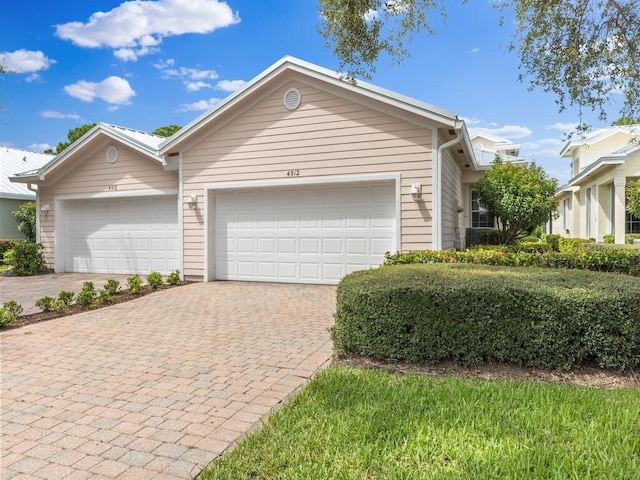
362 424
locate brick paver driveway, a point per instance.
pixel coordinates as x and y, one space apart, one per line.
157 387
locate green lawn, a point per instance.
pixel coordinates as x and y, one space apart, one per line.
362 424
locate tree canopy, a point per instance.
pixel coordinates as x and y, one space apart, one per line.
73 135
166 131
583 51
633 198
520 196
25 216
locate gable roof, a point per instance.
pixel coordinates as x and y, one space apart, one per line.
330 77
142 142
14 161
597 136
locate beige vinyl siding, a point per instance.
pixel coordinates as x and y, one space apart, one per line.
132 172
451 198
326 136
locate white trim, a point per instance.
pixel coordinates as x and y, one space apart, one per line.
211 188
118 194
180 216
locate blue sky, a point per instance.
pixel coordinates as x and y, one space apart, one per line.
148 64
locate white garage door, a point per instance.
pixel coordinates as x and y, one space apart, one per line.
308 234
124 235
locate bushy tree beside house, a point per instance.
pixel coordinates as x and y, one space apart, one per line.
25 216
633 198
520 196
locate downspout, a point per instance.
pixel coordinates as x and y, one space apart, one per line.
437 197
31 187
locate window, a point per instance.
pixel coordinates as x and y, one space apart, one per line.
566 209
632 224
480 216
588 213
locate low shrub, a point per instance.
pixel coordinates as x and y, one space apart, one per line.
88 296
472 313
9 311
174 277
45 303
154 279
25 258
64 300
609 238
135 284
5 245
553 240
110 290
630 237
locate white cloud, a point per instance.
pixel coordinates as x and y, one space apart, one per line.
136 28
199 106
38 147
59 115
470 121
114 90
192 78
510 132
565 128
371 15
230 85
475 50
545 147
26 61
195 86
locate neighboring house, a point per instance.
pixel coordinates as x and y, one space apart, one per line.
298 177
12 195
593 203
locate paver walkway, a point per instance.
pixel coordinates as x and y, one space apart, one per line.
157 387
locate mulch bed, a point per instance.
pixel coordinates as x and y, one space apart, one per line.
121 296
579 376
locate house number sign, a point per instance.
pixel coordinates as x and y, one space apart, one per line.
293 173
113 188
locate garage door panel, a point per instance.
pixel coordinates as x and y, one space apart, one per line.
302 234
122 235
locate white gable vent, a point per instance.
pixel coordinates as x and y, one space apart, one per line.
112 154
292 98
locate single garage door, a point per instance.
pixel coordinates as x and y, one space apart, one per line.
124 235
311 234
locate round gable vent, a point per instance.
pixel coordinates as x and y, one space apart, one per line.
112 154
292 98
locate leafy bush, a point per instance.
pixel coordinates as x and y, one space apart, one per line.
609 238
9 311
471 313
135 284
554 241
5 245
87 297
64 300
630 237
174 277
154 279
109 291
25 258
25 215
45 303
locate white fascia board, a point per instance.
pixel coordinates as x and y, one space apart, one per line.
603 162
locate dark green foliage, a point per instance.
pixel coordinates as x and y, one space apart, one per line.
88 296
471 313
5 246
167 130
64 300
135 284
72 135
154 279
25 258
45 303
25 216
14 307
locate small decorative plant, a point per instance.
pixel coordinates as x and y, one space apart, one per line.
135 284
154 279
88 297
9 311
64 300
174 277
109 291
45 303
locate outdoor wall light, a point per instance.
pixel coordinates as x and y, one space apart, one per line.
193 201
416 191
44 210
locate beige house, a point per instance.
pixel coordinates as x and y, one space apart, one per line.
592 204
298 177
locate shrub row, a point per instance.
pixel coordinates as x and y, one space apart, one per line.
598 258
25 258
473 313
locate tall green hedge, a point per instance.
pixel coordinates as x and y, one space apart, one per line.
474 313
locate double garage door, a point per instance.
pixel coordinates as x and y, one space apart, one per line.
311 234
124 235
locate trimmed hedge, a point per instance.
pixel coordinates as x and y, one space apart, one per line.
472 313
